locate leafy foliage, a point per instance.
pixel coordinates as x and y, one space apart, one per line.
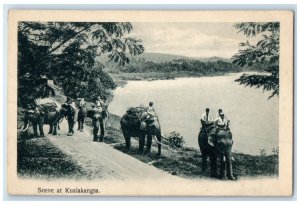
66 51
265 51
179 65
175 140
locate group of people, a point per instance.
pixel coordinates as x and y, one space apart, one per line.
80 104
220 122
99 103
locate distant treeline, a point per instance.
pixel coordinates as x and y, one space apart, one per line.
186 65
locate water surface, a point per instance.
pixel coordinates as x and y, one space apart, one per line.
180 103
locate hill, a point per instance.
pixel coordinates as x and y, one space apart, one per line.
162 58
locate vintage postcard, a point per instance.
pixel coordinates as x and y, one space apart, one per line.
150 103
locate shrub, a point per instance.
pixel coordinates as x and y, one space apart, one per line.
175 140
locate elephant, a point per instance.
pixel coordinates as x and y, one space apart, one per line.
99 118
71 114
221 150
37 117
132 128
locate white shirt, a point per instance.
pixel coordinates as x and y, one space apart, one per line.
221 122
208 118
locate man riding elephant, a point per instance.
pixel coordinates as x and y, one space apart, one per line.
148 116
206 121
131 127
215 141
220 123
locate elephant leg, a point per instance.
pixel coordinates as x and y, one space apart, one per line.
213 166
81 124
78 122
159 144
149 143
54 129
50 129
229 167
223 167
71 125
127 141
142 143
34 126
41 129
101 132
204 160
95 131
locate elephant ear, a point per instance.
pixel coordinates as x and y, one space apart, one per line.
64 106
90 113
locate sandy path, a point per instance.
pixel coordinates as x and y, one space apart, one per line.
100 160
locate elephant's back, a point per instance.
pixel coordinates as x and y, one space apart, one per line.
129 126
50 117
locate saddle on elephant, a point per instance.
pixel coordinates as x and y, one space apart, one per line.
48 107
147 119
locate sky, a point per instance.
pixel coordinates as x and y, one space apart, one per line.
189 39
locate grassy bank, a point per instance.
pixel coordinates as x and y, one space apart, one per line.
186 162
38 158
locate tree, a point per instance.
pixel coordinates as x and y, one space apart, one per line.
65 52
265 51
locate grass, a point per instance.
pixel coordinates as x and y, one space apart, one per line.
186 161
37 157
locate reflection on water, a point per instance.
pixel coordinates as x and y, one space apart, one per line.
179 104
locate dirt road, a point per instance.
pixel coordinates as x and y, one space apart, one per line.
100 160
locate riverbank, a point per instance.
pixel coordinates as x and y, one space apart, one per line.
121 78
40 158
186 161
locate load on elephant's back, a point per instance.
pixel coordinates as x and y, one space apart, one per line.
131 127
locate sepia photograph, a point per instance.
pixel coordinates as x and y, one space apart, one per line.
150 103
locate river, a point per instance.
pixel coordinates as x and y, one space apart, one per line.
180 103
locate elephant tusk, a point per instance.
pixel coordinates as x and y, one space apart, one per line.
23 130
165 137
155 138
224 158
232 158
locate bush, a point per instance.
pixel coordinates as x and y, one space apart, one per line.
175 140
